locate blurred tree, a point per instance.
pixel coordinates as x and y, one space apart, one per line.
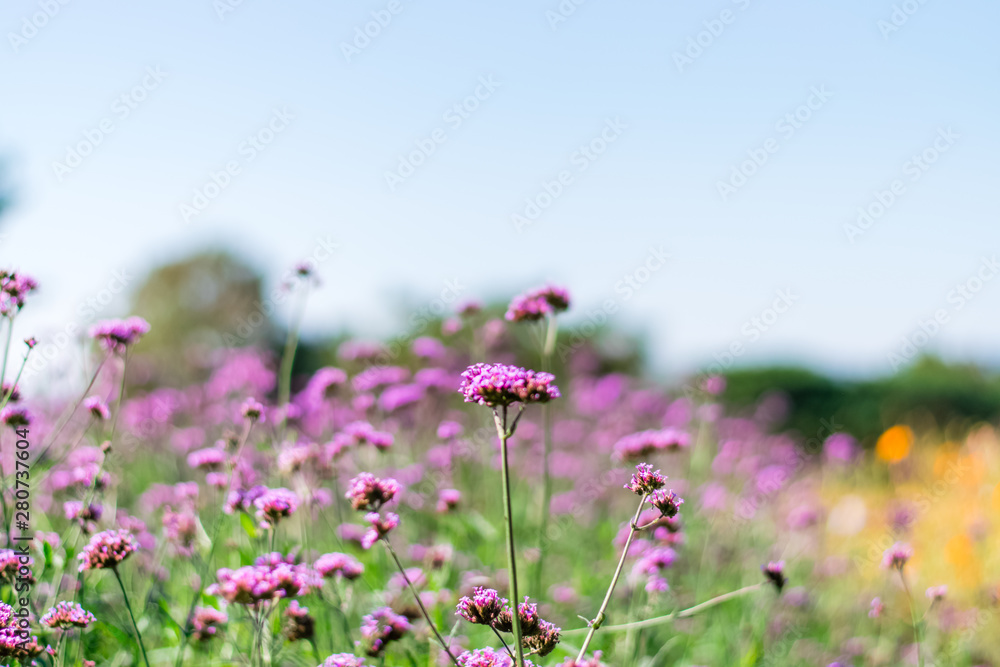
929 394
200 304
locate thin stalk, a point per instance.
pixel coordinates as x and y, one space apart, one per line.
599 619
548 347
13 386
501 424
504 642
684 613
64 418
186 629
288 356
913 618
128 605
416 596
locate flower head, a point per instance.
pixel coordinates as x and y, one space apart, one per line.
343 660
483 607
118 335
876 608
368 492
668 502
381 627
339 565
644 481
487 657
252 410
527 613
298 623
107 549
935 593
775 573
98 408
897 555
380 527
499 384
537 303
274 505
545 641
67 615
207 622
14 287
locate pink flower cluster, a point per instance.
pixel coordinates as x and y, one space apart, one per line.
107 549
274 505
537 303
271 577
644 443
500 384
381 627
14 287
118 335
368 492
207 622
339 565
67 615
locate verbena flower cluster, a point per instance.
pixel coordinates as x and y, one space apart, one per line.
500 384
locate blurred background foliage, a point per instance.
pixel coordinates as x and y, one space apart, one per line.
216 300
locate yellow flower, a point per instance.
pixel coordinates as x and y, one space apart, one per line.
894 445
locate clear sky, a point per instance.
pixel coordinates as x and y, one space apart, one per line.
737 138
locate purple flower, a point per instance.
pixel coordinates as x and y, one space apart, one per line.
206 623
400 396
428 348
876 608
368 492
252 410
107 549
14 287
487 657
645 481
67 615
343 660
448 500
896 556
211 458
448 429
298 623
545 641
381 627
339 565
15 416
935 593
775 573
527 613
274 505
380 527
840 447
269 578
644 443
669 503
117 335
537 303
98 408
499 384
483 607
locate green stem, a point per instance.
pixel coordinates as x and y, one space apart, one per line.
547 348
186 630
416 596
128 605
501 424
684 613
288 357
913 618
64 418
13 386
599 619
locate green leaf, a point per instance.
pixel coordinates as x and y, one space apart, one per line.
249 527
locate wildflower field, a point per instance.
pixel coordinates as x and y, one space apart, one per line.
393 505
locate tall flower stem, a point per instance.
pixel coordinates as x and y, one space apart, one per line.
416 596
684 613
17 378
913 617
599 619
504 433
548 347
186 629
65 417
288 356
128 605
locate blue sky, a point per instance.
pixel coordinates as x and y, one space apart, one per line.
604 100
